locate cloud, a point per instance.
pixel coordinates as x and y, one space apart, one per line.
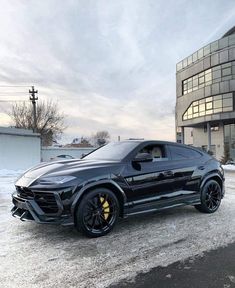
109 64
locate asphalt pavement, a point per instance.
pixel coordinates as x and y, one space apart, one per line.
215 269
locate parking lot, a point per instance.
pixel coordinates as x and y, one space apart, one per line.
34 255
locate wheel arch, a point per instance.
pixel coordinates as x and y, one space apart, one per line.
108 184
212 176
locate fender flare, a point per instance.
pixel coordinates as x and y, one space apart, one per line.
209 176
83 190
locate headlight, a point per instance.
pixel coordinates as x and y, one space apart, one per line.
54 180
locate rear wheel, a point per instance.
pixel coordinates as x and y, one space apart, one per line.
210 197
97 213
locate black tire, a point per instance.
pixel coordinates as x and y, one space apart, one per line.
97 213
211 196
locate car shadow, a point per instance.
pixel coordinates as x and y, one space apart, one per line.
56 234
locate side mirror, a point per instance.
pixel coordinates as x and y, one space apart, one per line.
143 157
83 155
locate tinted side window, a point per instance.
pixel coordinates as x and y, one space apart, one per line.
157 151
180 153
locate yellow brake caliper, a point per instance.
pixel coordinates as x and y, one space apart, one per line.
106 208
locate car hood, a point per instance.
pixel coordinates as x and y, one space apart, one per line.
77 167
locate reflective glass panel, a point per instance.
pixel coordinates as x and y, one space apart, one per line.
195 57
214 46
208 105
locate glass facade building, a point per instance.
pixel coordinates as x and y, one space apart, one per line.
205 97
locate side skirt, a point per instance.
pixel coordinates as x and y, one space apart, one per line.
134 209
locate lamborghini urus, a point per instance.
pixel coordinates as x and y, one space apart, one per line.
118 180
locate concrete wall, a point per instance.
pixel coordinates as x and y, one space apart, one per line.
200 139
51 152
19 148
188 136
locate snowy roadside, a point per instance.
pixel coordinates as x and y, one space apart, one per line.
7 179
229 167
40 256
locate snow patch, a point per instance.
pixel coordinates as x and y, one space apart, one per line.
12 173
7 180
229 167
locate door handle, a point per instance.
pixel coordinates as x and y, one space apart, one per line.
168 173
201 167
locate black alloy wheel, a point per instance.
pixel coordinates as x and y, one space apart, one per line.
210 197
97 213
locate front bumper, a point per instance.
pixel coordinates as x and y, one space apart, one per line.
29 210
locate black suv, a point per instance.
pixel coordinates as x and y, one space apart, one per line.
119 179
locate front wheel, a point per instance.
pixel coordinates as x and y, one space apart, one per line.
97 213
210 197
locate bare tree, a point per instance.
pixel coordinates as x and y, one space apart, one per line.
49 122
101 138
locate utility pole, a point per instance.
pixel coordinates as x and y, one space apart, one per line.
34 98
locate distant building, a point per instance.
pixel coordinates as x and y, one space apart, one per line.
79 143
205 97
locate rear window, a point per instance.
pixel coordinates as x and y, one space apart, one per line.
181 153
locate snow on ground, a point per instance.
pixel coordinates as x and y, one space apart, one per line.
7 179
229 167
10 173
38 256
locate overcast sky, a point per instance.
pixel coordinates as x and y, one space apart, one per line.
109 64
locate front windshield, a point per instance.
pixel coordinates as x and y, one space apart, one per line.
113 151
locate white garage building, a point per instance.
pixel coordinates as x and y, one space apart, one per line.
19 148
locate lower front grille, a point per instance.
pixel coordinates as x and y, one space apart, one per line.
46 201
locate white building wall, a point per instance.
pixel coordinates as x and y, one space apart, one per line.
200 139
20 149
188 136
51 152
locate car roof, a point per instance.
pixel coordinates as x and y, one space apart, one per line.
154 141
161 142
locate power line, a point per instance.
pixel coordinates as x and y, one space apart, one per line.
15 86
21 92
13 100
2 96
11 95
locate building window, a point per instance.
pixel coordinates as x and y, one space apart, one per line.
209 105
214 128
210 76
178 129
198 81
